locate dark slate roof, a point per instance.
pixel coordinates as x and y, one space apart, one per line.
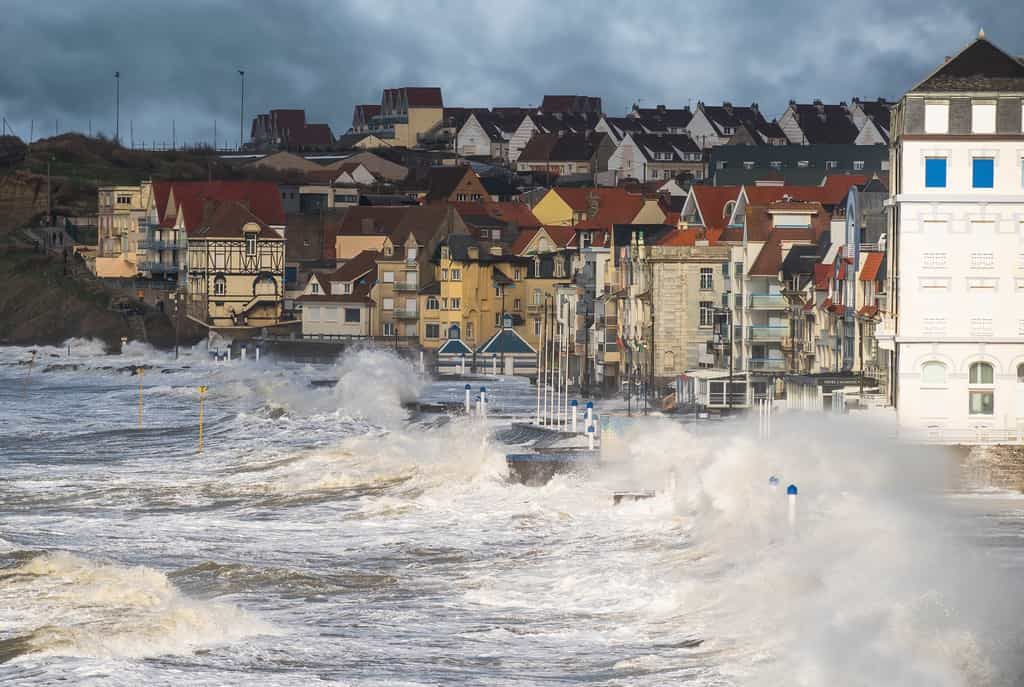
506 341
499 186
729 115
800 261
879 110
570 103
663 117
823 123
981 66
571 147
454 347
674 144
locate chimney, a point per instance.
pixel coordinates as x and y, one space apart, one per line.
593 203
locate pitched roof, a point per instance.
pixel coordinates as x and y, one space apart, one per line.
360 264
727 115
570 147
570 103
371 220
821 123
879 110
454 347
614 205
711 201
418 96
980 66
769 260
759 222
674 144
262 197
690 236
226 219
561 237
506 341
504 211
872 263
305 237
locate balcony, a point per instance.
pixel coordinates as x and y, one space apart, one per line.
535 308
164 244
767 364
777 333
759 301
407 314
158 267
406 286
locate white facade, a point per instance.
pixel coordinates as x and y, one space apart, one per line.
472 139
523 133
960 260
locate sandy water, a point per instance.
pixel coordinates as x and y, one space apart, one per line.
327 536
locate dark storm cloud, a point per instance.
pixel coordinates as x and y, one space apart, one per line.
179 61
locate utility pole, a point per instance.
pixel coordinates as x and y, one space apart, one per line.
49 207
117 109
241 111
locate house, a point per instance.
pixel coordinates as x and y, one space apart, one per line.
817 122
534 123
120 209
405 115
662 120
235 268
480 136
730 165
872 119
338 303
379 167
362 118
713 125
450 184
570 104
288 129
570 153
283 162
647 157
956 328
601 208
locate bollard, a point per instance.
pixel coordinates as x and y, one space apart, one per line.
483 401
468 406
590 437
588 418
140 372
574 404
257 354
245 351
494 364
423 367
124 343
229 354
791 492
773 482
202 396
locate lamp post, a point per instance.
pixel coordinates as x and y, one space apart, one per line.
117 108
241 110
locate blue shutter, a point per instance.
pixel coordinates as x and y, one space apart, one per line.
984 172
935 172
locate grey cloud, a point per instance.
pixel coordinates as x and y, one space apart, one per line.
179 60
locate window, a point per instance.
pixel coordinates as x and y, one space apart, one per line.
936 117
739 270
250 244
220 285
456 303
346 287
933 373
775 164
433 331
517 274
389 329
314 287
537 296
748 164
495 234
444 304
389 250
831 164
469 331
803 164
311 313
444 275
983 117
497 291
858 165
981 393
536 326
330 313
456 275
388 278
935 172
983 172
935 325
982 261
707 278
707 313
497 319
517 304
411 252
432 303
461 197
389 303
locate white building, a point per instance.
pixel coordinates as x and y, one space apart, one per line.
957 202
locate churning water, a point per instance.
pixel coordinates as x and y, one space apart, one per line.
327 536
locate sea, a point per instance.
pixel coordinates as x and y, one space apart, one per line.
329 533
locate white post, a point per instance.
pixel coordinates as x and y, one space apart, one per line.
124 342
494 364
573 404
229 353
257 353
590 437
245 350
468 400
423 367
483 401
791 492
589 417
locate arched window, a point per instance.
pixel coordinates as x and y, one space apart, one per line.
933 373
981 393
727 210
220 285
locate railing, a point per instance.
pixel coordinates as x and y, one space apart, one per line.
535 308
164 244
406 286
768 364
767 333
406 314
158 267
768 302
968 435
719 399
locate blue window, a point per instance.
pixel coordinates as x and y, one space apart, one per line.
984 172
935 172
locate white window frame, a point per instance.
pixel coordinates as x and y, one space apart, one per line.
936 117
983 117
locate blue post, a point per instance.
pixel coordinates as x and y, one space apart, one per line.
791 492
483 401
590 437
574 404
468 400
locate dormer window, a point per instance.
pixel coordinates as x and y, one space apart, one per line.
314 287
250 243
389 250
346 287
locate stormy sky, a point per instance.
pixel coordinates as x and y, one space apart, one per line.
179 61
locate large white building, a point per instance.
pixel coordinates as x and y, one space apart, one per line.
956 326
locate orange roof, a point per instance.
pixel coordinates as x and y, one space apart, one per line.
712 201
872 263
560 236
868 311
822 273
689 237
516 213
614 205
769 260
836 186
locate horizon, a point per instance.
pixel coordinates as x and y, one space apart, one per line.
486 65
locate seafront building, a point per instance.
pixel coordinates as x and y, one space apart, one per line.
956 325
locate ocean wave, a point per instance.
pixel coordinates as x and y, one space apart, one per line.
106 610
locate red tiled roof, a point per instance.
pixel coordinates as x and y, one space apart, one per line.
689 237
868 311
226 219
423 96
262 198
769 260
711 200
836 186
560 236
822 274
515 213
614 205
872 264
759 223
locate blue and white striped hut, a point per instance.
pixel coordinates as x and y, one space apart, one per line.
508 352
454 357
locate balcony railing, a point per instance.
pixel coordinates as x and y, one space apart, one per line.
164 244
407 314
406 286
766 301
767 333
768 364
535 308
158 267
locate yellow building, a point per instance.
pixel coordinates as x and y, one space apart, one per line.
406 114
566 207
473 286
235 269
119 211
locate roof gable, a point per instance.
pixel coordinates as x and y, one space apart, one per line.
981 66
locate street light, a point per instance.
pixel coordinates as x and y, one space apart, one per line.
117 108
241 111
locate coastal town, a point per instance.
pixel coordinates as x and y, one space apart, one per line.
704 257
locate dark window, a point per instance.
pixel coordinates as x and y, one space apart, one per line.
351 314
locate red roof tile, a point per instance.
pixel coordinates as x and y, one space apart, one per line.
690 236
711 201
262 197
822 274
872 264
868 311
768 261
